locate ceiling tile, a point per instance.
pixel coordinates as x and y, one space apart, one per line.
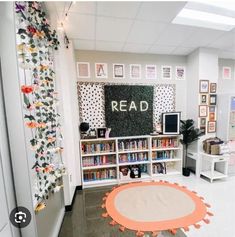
112 29
145 32
136 48
159 11
84 7
118 9
202 37
80 26
108 46
182 50
161 49
84 44
174 35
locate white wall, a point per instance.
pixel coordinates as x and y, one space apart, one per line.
202 65
143 59
67 88
14 114
226 86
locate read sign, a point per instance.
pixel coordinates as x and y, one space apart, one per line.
129 109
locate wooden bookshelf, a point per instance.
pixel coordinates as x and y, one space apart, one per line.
102 159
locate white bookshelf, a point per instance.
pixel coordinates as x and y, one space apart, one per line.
97 166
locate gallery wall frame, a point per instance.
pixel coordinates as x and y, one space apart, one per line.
150 71
166 72
226 73
118 71
180 72
101 70
203 86
83 69
135 71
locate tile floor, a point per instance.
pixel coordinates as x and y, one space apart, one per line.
85 219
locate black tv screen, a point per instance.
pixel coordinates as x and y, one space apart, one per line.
171 123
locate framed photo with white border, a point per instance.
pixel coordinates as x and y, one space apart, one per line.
166 72
118 70
211 127
101 70
83 70
150 71
226 73
135 71
180 73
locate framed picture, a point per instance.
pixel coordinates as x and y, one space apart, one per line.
202 122
204 99
166 72
179 73
213 99
211 116
101 70
213 87
211 128
204 86
151 72
118 70
203 130
135 71
202 110
101 132
226 73
212 109
83 69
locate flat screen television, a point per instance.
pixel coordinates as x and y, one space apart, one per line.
171 123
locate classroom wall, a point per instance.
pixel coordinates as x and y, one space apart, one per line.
143 59
226 86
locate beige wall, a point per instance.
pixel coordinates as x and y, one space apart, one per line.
143 59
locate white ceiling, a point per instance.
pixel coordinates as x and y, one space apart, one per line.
138 27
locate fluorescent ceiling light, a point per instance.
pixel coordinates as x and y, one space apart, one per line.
226 5
204 19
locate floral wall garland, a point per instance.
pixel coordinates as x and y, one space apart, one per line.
35 45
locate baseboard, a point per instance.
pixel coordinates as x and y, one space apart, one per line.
58 224
70 207
79 187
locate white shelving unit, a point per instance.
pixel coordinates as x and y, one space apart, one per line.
100 167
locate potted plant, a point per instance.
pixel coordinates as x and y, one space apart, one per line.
190 134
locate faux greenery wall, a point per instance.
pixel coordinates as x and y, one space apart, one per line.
129 120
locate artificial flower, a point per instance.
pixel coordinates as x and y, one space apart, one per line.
31 124
19 7
31 29
20 47
43 67
48 169
41 125
27 89
38 104
35 5
32 49
40 206
51 139
39 34
57 188
37 169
